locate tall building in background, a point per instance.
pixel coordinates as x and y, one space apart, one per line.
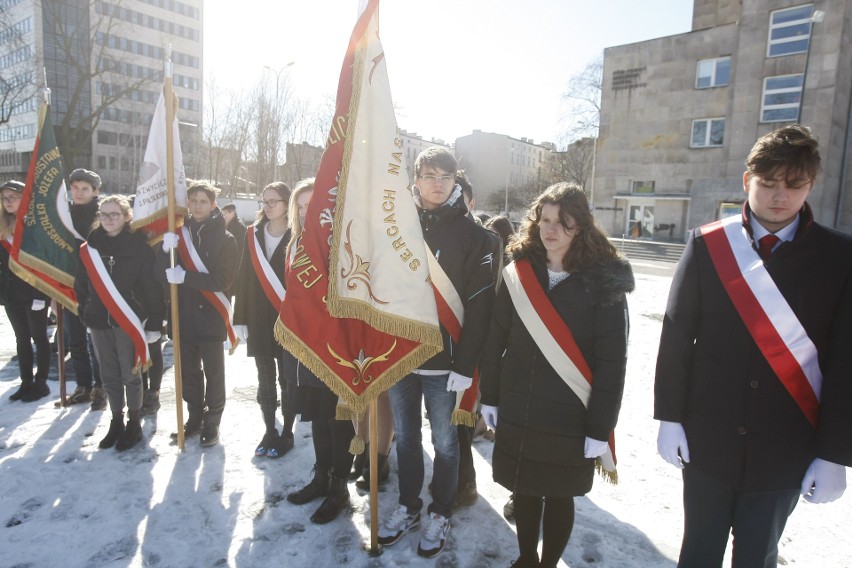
103 61
679 114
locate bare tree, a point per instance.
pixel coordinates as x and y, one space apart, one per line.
583 97
574 164
17 81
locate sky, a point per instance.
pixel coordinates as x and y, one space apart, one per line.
454 65
65 503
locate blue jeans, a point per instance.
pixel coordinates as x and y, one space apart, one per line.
405 400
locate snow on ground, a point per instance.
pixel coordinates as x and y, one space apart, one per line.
65 503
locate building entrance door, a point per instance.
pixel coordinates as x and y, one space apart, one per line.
640 222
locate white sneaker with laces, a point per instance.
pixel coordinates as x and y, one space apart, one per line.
434 537
397 526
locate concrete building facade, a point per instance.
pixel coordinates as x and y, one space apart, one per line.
412 145
679 114
125 43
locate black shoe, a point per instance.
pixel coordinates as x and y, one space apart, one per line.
191 428
384 473
467 495
38 391
209 435
318 487
99 401
150 403
22 391
116 429
336 500
130 437
509 509
524 563
267 442
280 445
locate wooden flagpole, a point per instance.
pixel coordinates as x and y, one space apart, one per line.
374 477
60 356
169 96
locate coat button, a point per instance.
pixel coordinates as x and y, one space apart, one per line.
754 384
741 430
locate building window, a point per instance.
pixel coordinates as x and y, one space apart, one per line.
102 162
642 187
789 31
713 73
781 97
708 132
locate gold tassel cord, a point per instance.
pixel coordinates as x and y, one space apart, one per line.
357 445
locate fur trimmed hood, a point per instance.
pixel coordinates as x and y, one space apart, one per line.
610 282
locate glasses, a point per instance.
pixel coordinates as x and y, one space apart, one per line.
114 216
440 179
11 198
271 203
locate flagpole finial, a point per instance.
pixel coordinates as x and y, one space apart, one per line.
169 62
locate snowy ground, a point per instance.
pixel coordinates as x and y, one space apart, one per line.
64 503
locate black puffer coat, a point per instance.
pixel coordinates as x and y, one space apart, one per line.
130 262
251 306
542 424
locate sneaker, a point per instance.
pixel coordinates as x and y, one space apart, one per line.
209 435
99 401
80 395
151 403
399 524
434 538
280 446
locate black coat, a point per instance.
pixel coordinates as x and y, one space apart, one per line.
199 320
13 290
130 262
251 306
542 424
471 257
742 426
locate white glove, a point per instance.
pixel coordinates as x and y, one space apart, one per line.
594 448
489 414
175 275
671 440
39 305
242 332
170 241
824 482
458 383
152 336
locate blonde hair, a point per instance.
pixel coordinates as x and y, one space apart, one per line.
293 209
123 204
7 222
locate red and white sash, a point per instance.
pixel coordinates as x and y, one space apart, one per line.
771 322
269 282
7 243
555 340
116 305
451 316
192 261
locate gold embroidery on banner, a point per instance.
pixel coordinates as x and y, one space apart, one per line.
358 271
361 364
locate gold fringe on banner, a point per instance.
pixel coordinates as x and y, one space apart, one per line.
357 445
22 272
608 476
463 418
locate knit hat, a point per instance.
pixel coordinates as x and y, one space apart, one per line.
14 185
88 176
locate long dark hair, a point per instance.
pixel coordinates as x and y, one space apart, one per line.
590 246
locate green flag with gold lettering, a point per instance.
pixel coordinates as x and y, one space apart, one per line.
44 247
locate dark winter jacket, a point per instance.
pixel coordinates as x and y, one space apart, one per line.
238 230
542 424
130 262
251 306
199 320
471 258
83 217
742 426
13 290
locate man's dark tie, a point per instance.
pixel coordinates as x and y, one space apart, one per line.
765 244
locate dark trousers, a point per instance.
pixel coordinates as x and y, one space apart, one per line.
713 509
552 516
30 327
203 374
86 371
153 377
270 375
467 473
331 444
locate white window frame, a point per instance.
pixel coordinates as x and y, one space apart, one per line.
715 62
764 107
709 122
770 43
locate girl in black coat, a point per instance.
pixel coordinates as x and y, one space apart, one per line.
25 307
548 438
255 316
129 263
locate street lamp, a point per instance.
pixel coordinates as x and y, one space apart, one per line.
816 18
277 118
